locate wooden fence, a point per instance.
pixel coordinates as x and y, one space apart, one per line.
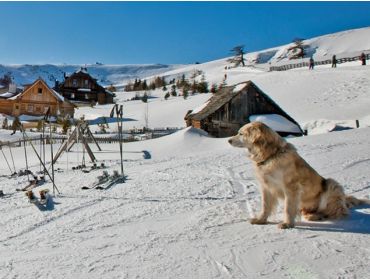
130 136
322 62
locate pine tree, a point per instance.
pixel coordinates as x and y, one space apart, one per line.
203 85
173 90
238 58
145 98
167 95
144 85
185 93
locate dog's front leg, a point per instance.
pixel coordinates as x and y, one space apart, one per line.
268 204
290 209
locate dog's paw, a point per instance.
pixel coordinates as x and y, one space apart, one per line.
257 221
285 225
314 217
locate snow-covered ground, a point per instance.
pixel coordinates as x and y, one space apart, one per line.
183 211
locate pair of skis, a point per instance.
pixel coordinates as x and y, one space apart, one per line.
106 181
33 184
94 167
44 197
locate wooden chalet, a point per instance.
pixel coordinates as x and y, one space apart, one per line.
231 108
35 100
80 87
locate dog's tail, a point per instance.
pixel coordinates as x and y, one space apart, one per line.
334 196
352 201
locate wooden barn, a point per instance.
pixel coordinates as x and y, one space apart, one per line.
234 106
80 87
36 99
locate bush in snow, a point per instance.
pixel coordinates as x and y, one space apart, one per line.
213 88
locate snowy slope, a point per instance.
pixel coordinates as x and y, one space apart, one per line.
318 100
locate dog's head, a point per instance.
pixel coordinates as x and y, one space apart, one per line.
260 140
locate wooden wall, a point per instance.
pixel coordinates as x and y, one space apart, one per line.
80 82
6 106
35 100
228 119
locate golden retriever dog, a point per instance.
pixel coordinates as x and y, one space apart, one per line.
283 174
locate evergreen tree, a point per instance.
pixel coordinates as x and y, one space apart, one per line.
145 98
238 58
167 95
185 93
173 90
144 85
203 85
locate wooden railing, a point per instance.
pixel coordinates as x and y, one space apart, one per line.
322 62
131 136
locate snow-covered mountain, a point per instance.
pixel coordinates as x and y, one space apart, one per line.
345 43
106 74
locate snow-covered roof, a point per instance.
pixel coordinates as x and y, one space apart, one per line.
15 96
276 122
57 95
6 95
84 89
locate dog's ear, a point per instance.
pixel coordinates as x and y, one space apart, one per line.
265 142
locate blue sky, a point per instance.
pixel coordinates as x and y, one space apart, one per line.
162 32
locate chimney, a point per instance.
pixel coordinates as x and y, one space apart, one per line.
12 88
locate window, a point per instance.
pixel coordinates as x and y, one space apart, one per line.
86 96
30 108
38 109
17 107
86 83
39 90
72 95
74 82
